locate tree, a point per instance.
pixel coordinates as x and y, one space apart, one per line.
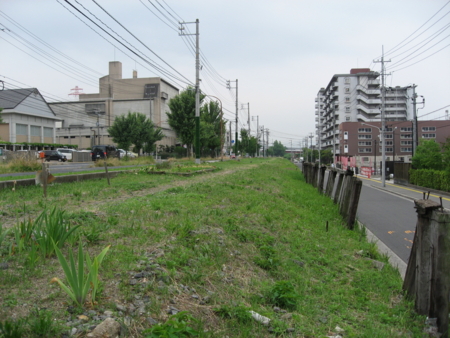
446 154
278 149
210 127
326 156
428 155
181 117
135 129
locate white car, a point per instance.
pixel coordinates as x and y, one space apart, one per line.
123 153
66 152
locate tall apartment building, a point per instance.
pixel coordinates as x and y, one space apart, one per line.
85 122
356 97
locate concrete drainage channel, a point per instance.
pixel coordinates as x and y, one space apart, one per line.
59 179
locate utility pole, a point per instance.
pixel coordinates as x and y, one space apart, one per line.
197 86
318 129
231 141
263 143
267 140
383 121
311 137
257 134
414 122
237 111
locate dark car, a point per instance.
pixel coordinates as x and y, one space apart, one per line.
103 152
54 155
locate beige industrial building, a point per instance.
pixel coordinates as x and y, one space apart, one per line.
85 122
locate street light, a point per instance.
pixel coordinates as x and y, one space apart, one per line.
383 155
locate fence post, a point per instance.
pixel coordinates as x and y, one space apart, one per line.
338 187
353 201
440 283
315 174
330 183
321 178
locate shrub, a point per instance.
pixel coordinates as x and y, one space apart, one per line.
177 326
283 294
428 178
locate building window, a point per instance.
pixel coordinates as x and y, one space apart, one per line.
428 135
48 132
89 136
35 131
388 136
365 137
405 129
347 89
389 149
406 143
347 109
365 143
346 79
389 129
364 150
347 118
364 130
405 150
365 159
406 136
347 99
389 143
428 128
21 129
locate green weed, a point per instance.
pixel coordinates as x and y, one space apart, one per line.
177 326
283 294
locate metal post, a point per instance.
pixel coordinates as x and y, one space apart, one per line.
237 109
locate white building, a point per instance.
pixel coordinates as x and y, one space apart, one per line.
356 97
85 122
27 117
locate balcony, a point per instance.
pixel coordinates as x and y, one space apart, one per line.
373 82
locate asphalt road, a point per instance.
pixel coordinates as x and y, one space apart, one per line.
389 217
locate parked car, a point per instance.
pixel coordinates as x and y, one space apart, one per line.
103 152
123 153
67 152
54 155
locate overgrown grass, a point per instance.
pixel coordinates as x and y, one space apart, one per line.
251 236
20 165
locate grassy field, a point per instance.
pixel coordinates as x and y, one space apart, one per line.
249 236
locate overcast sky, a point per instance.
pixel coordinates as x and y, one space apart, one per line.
282 52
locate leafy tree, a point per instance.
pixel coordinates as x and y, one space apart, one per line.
446 154
428 155
135 129
326 156
278 149
181 117
210 128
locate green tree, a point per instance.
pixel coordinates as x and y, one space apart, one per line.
326 156
181 117
210 128
278 149
135 129
428 155
446 154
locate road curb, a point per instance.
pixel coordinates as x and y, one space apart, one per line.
394 260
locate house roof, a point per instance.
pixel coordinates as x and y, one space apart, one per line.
11 98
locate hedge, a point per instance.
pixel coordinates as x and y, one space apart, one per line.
428 178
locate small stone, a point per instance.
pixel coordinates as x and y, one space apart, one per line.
92 312
276 309
139 275
338 329
290 330
108 313
152 321
286 316
207 299
121 308
73 332
4 266
172 301
127 321
83 318
132 282
195 296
